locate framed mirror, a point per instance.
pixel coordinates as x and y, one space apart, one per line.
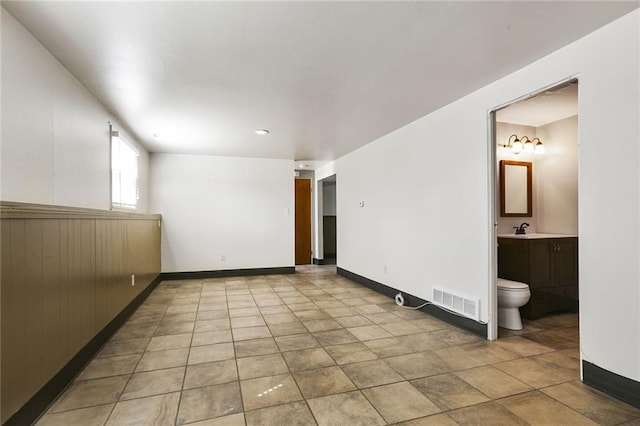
515 188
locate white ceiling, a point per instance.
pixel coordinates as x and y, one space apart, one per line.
324 77
544 108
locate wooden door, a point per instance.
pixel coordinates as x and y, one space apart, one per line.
303 221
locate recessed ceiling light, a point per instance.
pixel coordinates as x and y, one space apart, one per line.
156 136
262 132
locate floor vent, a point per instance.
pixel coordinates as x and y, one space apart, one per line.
454 302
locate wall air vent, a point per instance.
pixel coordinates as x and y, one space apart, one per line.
468 307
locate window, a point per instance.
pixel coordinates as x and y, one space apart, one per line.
124 173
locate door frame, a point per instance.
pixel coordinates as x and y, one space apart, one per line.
492 181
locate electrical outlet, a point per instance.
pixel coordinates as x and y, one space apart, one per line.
385 269
133 280
223 258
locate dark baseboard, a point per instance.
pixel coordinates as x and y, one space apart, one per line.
623 388
410 300
319 261
38 404
227 273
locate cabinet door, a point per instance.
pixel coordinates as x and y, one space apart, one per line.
540 258
513 258
565 261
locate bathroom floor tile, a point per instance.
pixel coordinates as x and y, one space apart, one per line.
261 365
392 346
288 329
538 409
350 408
159 410
400 402
249 333
433 420
85 393
166 329
249 321
293 414
174 341
593 404
323 381
308 359
163 359
492 382
110 366
369 332
212 325
489 413
210 373
334 337
124 347
413 366
255 347
269 391
209 402
244 312
401 328
155 382
211 337
353 321
296 342
371 373
91 416
457 358
350 352
449 392
535 374
321 324
282 318
522 346
360 359
209 353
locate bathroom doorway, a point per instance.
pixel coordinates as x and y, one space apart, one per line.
535 214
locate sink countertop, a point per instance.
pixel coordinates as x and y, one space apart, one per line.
535 236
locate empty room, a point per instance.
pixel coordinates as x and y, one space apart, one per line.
332 213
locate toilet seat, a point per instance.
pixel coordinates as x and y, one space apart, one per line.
508 285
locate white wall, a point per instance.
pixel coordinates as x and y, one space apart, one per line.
328 199
556 178
320 173
242 208
427 202
55 136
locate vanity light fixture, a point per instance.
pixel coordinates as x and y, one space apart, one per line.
516 145
261 132
525 144
539 149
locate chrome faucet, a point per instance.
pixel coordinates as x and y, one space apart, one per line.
520 230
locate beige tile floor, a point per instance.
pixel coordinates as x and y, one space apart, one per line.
316 348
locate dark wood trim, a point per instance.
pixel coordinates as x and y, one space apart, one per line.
14 210
228 273
410 300
620 387
318 261
529 167
37 405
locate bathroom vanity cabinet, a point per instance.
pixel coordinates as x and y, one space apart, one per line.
548 264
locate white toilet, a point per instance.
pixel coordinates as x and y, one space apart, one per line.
511 295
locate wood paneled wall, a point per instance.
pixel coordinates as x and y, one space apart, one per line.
65 274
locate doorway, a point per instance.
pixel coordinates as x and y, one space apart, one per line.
539 131
329 220
302 221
